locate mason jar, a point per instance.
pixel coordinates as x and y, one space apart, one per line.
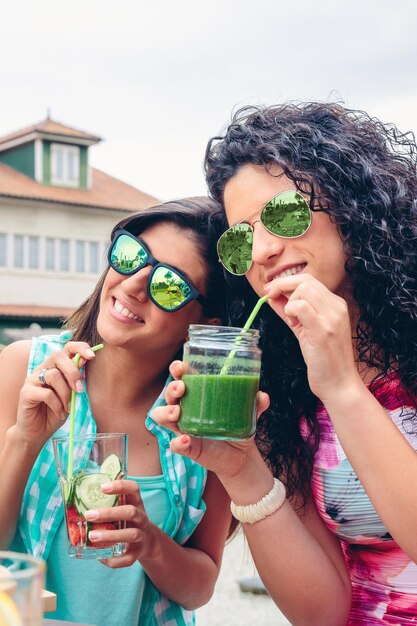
221 381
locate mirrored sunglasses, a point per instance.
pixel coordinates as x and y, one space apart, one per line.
286 215
167 287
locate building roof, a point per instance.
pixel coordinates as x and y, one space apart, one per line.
21 310
105 191
48 127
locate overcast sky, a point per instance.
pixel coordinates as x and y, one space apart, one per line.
156 78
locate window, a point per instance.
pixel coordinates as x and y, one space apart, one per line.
50 254
18 251
64 255
94 257
3 249
34 252
65 165
80 256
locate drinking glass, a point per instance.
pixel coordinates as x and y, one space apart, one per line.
21 580
221 382
82 468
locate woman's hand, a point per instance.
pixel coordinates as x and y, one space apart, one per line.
139 532
320 321
226 458
43 408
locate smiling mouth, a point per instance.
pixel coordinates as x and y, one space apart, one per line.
125 312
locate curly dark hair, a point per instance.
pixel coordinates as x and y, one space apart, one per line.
366 173
202 219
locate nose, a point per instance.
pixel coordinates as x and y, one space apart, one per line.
265 245
136 285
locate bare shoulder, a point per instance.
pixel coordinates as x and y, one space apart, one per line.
15 357
14 360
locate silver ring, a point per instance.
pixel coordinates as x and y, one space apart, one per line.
41 377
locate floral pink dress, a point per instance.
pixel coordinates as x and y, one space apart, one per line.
384 578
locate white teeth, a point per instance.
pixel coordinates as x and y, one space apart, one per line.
124 311
291 271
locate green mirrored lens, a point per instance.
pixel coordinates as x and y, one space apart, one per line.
168 289
235 249
127 254
287 215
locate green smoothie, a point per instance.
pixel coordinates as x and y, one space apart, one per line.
220 407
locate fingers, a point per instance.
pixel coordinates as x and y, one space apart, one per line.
168 417
79 347
120 561
61 367
32 395
127 488
174 392
299 286
187 446
129 496
177 369
262 403
126 523
307 301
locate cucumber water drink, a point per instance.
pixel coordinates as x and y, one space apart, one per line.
93 465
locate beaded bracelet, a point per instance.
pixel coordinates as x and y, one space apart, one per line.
251 513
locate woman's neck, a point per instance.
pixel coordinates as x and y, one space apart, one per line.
119 378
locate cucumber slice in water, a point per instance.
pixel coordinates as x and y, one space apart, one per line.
111 466
88 492
80 508
68 491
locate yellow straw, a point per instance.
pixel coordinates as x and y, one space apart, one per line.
72 416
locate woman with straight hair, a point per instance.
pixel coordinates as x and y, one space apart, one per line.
162 275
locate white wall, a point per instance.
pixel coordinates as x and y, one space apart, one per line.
27 286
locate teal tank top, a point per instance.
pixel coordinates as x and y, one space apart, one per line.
88 591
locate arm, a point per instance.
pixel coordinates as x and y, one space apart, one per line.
185 574
382 458
298 559
16 454
30 414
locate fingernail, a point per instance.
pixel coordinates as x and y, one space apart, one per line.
91 514
89 352
107 487
185 439
95 535
79 386
267 287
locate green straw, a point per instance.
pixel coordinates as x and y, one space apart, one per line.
72 416
247 325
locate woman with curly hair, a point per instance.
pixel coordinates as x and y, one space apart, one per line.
321 203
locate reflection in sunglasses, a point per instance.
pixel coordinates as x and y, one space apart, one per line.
127 254
286 215
166 287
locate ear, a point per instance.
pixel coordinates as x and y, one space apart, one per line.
213 321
